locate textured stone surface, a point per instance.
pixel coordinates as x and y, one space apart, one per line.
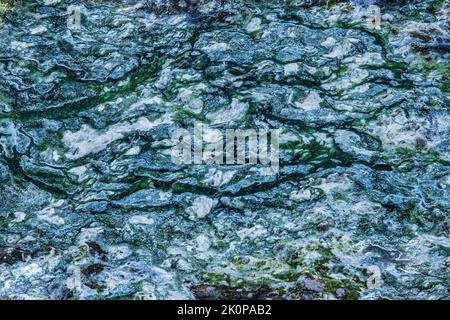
92 207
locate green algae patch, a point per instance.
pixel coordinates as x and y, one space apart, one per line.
352 289
4 7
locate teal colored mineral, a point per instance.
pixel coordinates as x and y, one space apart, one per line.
351 202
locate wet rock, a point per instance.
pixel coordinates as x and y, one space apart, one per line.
11 255
201 207
58 291
89 191
204 292
341 293
309 284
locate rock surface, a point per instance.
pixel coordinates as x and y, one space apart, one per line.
92 207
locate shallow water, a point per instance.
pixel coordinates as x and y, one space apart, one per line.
92 206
